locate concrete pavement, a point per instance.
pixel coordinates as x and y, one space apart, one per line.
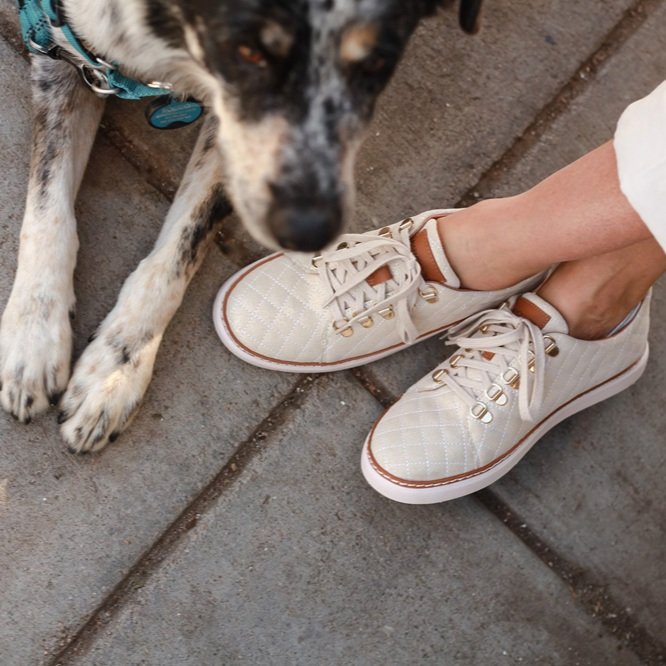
231 524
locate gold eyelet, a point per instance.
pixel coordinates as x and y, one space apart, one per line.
345 332
453 361
495 393
342 246
387 313
406 224
430 296
385 232
367 322
438 375
480 413
485 328
315 260
551 349
511 377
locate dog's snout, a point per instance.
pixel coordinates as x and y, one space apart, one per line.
305 227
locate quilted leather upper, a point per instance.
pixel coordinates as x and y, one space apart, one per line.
429 434
276 308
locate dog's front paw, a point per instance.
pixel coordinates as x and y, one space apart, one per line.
106 389
35 354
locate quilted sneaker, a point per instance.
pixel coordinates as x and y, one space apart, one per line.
365 299
517 374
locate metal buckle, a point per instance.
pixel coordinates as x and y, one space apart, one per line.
93 76
97 81
40 50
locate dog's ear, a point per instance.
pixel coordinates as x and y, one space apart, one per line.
470 15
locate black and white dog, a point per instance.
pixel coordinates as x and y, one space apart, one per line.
289 85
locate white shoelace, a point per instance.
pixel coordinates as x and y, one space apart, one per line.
345 272
491 343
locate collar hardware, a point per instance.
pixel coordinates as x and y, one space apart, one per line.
39 18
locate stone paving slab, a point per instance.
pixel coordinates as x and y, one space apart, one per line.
459 102
594 487
74 527
301 563
71 527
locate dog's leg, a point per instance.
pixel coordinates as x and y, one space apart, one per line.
35 334
113 373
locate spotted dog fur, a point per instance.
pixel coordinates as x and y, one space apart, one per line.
290 86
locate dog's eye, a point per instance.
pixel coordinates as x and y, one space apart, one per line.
374 64
252 56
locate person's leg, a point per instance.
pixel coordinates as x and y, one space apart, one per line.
577 212
595 294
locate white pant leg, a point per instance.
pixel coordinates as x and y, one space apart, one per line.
640 145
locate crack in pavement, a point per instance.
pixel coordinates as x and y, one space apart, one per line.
84 637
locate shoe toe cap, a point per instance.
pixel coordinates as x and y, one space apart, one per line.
274 310
423 438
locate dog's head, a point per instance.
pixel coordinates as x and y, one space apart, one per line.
297 85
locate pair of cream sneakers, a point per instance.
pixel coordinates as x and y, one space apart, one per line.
515 375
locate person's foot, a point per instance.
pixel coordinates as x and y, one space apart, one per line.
517 374
372 295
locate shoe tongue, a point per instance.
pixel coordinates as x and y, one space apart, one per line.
540 312
428 249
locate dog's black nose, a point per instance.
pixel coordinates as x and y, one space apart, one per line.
305 228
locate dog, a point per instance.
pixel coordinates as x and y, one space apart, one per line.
289 86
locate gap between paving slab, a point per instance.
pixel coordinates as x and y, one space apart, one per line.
299 562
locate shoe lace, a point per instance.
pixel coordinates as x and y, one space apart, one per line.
497 343
346 269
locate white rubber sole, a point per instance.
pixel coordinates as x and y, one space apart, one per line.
230 343
466 486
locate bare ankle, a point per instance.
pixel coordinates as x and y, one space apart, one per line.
591 311
474 240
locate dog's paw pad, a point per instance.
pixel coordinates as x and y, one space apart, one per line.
102 397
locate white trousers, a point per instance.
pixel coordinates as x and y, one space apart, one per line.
640 146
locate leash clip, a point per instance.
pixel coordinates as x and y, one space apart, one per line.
97 80
95 77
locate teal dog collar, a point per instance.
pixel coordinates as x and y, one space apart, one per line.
39 18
